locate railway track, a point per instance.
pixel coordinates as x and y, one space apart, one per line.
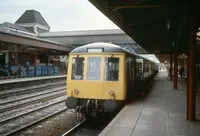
29 112
91 126
29 96
75 129
31 100
12 129
30 89
21 108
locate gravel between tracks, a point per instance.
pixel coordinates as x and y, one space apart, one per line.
28 108
54 126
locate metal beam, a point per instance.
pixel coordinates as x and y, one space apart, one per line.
116 7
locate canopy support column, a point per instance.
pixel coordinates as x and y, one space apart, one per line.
170 69
175 70
191 97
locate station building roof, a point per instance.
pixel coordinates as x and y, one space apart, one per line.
32 16
79 38
13 27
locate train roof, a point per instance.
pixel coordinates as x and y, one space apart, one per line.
101 47
108 47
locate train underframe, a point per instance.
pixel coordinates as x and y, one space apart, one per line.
93 107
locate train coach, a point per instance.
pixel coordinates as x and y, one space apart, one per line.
101 76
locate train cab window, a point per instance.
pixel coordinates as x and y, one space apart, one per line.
94 68
111 69
77 68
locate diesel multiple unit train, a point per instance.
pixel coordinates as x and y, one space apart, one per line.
103 75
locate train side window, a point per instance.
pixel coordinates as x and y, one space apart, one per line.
111 69
77 68
94 68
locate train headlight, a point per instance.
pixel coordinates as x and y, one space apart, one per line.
76 91
111 93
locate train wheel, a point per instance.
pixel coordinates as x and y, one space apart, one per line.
88 109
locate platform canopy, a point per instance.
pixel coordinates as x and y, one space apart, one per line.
159 26
150 57
83 37
26 43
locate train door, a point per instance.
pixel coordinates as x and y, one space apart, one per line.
127 78
130 76
140 68
145 68
2 59
132 73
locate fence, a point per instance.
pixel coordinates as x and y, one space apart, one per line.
15 71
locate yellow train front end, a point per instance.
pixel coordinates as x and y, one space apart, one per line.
96 81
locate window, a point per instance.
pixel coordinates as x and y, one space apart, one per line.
139 67
94 68
95 50
111 69
77 68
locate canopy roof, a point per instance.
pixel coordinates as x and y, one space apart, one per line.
159 26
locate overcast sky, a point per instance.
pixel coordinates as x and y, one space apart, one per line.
61 15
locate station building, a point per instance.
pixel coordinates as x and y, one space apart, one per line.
21 46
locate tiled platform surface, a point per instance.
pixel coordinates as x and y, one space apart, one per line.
5 81
161 113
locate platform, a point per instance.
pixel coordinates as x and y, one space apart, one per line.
15 80
161 113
